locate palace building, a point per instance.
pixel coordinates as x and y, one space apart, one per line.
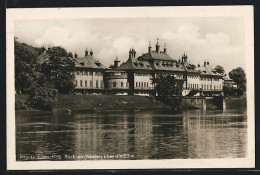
136 75
89 74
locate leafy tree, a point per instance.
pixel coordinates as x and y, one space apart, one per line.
59 70
70 55
219 69
57 51
43 98
25 65
167 85
239 77
169 90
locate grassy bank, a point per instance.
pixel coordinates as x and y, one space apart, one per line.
99 102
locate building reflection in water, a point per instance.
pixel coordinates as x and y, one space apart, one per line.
190 134
215 134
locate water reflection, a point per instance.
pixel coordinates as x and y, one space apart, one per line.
145 135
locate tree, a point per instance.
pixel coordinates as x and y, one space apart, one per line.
70 55
43 98
239 77
167 85
219 69
169 89
59 70
25 65
57 51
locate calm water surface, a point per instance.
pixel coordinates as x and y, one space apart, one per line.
131 135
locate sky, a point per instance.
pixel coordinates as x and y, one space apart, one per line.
220 40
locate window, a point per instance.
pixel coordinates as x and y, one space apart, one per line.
96 83
147 84
136 84
139 84
86 83
90 73
122 84
76 83
101 84
91 85
207 86
142 84
80 83
114 84
78 73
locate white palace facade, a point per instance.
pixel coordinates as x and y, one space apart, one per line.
135 76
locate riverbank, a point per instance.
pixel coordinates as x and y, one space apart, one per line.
126 103
98 103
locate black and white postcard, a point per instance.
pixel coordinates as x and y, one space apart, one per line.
130 88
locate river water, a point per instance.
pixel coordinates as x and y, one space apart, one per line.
131 135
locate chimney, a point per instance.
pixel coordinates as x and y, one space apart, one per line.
76 55
157 46
91 52
86 52
116 62
130 53
184 57
149 48
134 53
164 49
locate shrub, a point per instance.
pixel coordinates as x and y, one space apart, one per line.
43 98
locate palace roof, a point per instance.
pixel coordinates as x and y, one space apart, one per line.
189 69
153 55
43 57
208 70
133 63
88 61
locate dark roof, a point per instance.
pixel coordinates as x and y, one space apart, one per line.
88 62
208 70
186 66
170 65
42 57
153 55
133 63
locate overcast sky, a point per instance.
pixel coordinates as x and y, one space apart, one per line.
217 39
